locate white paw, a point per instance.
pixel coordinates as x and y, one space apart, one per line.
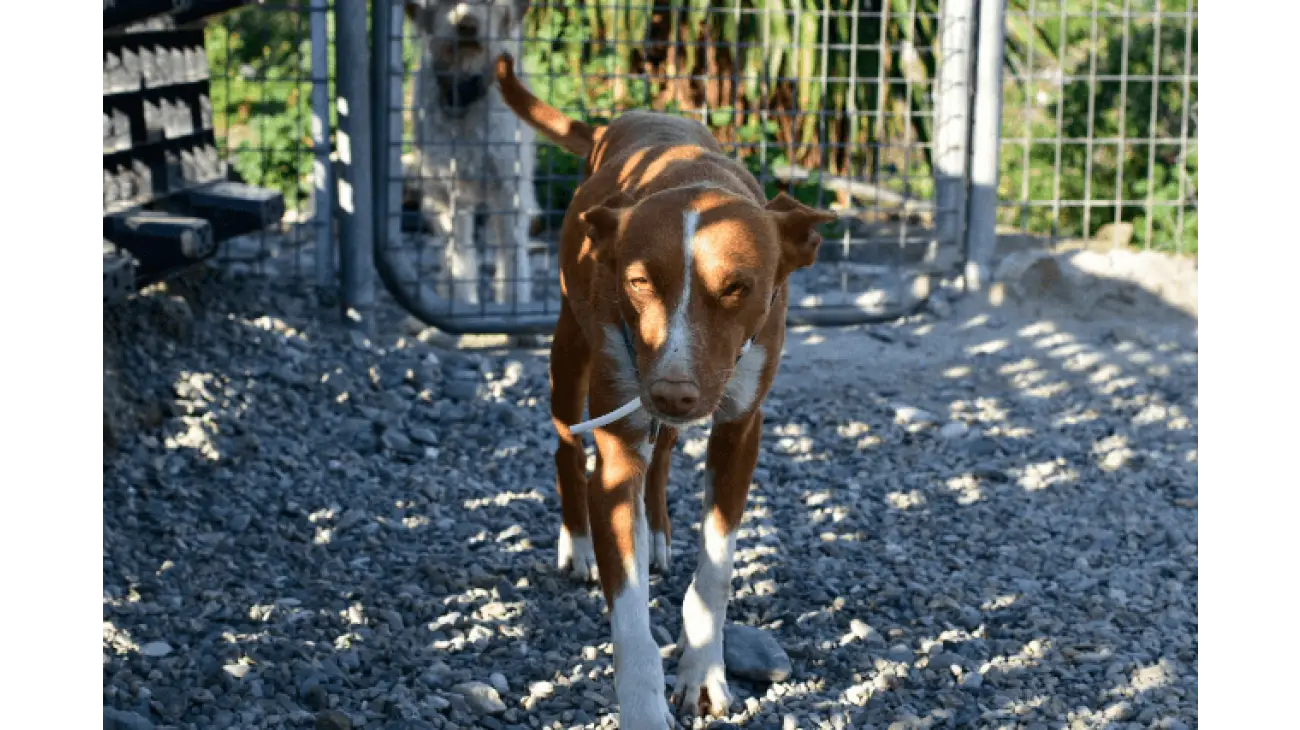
661 553
576 556
702 684
644 708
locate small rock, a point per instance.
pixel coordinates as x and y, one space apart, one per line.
986 470
1116 235
899 653
332 720
953 430
238 671
498 682
482 698
115 719
422 435
753 654
460 390
312 692
507 592
861 630
541 690
156 649
177 316
972 681
912 416
398 442
938 306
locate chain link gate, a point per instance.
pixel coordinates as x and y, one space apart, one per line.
861 106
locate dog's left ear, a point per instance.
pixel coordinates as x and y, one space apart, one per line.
797 224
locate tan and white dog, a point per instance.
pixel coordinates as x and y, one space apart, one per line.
673 270
474 159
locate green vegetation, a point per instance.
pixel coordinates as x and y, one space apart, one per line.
1137 125
821 84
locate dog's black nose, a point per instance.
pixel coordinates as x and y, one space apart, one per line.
467 29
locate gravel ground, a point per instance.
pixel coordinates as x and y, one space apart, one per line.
978 520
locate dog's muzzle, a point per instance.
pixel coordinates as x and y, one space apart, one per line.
457 92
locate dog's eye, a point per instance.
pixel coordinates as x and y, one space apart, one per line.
735 290
639 283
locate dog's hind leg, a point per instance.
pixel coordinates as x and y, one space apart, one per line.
656 500
570 375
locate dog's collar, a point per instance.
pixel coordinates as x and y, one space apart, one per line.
653 434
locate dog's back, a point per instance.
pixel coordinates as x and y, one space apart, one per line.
639 153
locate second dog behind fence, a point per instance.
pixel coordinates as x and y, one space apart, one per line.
474 158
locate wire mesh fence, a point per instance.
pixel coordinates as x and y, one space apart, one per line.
833 102
1099 132
861 106
271 66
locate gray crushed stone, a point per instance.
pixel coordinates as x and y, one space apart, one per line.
308 528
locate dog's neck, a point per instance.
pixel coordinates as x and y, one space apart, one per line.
458 93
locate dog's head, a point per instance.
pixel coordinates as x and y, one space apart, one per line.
462 40
697 271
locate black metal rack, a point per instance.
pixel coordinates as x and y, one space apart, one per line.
167 200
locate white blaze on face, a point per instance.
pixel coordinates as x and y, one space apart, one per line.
676 360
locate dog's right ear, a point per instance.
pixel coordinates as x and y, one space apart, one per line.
604 222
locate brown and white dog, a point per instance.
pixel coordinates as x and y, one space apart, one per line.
673 272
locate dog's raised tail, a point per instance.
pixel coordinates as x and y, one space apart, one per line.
571 134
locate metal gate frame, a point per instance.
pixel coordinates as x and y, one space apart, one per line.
967 98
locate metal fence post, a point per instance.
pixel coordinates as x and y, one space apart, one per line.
355 188
323 213
986 144
952 123
387 76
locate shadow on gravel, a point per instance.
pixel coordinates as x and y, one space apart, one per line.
296 520
1000 530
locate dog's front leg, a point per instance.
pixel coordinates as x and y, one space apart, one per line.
508 224
621 537
463 257
729 466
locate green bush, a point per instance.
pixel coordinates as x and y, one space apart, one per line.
1150 178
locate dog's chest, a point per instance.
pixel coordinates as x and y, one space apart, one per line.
474 154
